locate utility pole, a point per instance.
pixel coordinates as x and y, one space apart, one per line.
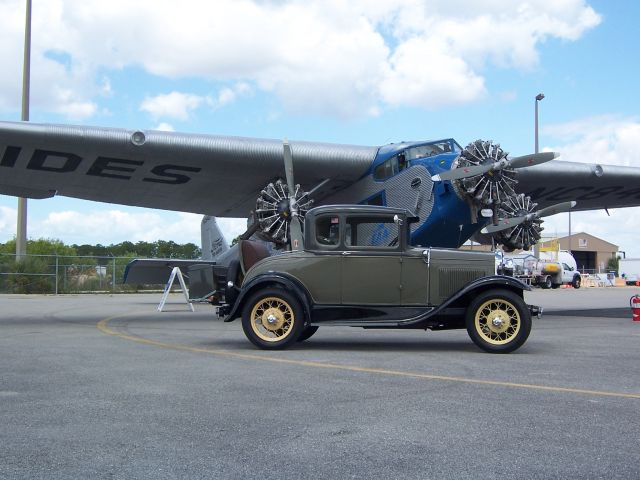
21 234
539 97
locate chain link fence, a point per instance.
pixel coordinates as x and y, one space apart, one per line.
57 274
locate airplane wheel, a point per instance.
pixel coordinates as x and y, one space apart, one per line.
273 319
498 321
577 281
307 333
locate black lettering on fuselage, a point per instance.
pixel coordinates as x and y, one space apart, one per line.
10 156
176 178
599 193
587 193
106 166
541 192
633 193
565 194
45 160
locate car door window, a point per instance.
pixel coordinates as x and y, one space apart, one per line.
328 230
371 232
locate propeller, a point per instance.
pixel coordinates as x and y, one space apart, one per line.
510 222
280 207
295 228
481 169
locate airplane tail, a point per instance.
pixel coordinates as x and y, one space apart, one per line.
213 242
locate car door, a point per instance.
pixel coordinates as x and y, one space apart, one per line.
371 262
414 281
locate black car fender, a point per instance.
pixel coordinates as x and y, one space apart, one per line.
482 284
268 280
454 307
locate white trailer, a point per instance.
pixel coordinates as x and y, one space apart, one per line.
629 269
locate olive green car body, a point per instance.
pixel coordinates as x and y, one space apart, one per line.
344 278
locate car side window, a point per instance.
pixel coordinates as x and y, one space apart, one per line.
371 232
328 230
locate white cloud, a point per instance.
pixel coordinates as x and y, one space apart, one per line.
332 57
115 226
8 219
180 105
175 105
229 95
606 139
609 140
165 127
415 77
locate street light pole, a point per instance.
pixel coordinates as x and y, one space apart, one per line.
21 234
539 98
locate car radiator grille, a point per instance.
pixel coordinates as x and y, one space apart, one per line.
450 280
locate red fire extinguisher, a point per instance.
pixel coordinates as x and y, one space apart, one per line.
634 302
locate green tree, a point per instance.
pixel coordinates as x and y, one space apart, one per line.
613 264
41 246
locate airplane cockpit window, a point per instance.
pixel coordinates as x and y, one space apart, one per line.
328 230
391 167
432 149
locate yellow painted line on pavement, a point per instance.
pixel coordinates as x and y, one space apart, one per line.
103 326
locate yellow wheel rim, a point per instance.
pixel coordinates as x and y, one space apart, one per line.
497 321
272 319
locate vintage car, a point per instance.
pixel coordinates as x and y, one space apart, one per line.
357 269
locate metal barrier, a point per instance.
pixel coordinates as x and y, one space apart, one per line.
54 274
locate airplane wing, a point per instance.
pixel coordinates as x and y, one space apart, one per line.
207 174
592 186
157 270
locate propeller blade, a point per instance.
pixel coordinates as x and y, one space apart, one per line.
288 166
462 172
532 159
504 223
557 208
475 170
295 229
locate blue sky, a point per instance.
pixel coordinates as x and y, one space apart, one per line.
359 72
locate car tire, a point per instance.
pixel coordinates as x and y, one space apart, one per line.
498 321
577 281
307 333
546 282
273 319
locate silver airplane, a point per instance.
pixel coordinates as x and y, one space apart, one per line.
457 192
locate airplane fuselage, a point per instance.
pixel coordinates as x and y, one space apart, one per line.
400 176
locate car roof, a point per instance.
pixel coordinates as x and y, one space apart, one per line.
358 209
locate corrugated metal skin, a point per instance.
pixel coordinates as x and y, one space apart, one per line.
558 181
230 170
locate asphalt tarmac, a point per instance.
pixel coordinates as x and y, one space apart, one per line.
107 387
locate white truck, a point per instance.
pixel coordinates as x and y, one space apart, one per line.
555 269
551 270
629 269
